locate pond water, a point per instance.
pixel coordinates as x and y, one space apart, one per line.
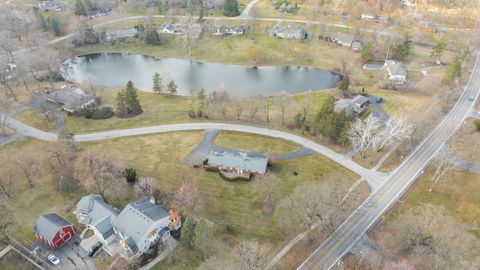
115 70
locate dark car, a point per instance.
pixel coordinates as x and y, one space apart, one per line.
379 100
471 99
94 249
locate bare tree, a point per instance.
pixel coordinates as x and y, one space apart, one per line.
6 75
97 169
7 180
442 163
188 198
251 255
362 133
252 109
145 187
283 102
266 109
29 167
238 108
395 129
63 154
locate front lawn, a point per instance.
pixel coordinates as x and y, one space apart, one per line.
36 119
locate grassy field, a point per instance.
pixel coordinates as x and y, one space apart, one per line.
466 144
254 142
35 119
458 192
272 51
14 261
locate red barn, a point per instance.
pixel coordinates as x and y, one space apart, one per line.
53 230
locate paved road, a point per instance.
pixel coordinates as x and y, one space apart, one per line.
349 233
26 130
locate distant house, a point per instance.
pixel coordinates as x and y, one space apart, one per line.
352 107
97 215
408 3
97 12
347 40
288 32
142 223
226 31
238 162
50 5
122 34
395 71
170 28
53 230
369 17
71 99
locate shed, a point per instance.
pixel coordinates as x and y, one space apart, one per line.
53 230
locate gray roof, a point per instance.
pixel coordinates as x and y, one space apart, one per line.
49 224
240 160
137 218
124 33
94 209
71 98
351 105
104 227
344 38
395 68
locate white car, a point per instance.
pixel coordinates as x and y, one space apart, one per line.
53 259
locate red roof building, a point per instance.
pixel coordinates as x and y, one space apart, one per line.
53 230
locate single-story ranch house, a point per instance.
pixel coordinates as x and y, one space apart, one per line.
241 163
71 99
122 34
53 230
225 31
288 32
352 107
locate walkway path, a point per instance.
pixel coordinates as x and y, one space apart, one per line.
246 12
464 164
171 244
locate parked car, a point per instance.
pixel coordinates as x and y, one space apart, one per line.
53 259
94 249
379 100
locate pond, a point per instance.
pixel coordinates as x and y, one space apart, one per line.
116 69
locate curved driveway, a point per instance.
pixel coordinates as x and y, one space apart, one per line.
26 130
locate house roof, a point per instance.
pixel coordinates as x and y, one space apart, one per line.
240 160
96 212
123 33
344 38
360 100
343 105
71 98
351 105
138 217
395 68
48 225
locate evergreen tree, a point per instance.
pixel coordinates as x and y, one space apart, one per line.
80 9
127 101
152 37
438 49
202 101
188 233
344 84
172 87
55 26
230 9
121 108
42 24
366 52
157 83
202 237
403 50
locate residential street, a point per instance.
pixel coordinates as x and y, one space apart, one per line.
373 209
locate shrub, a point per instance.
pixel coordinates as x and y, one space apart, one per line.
477 124
103 113
130 175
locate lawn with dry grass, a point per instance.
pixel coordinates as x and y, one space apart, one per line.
36 119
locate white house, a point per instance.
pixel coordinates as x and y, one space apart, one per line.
369 17
396 73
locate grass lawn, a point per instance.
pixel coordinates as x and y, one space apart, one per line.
253 142
458 192
35 119
14 261
272 51
8 131
408 104
466 144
